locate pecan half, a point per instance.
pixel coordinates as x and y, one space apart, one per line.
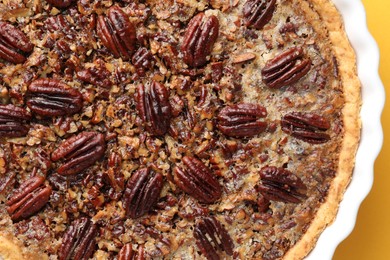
141 253
154 107
212 238
117 33
13 121
197 180
308 127
126 252
242 120
279 184
14 44
78 242
286 68
60 3
257 13
51 97
29 198
201 34
142 192
79 152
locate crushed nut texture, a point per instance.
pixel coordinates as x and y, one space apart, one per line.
164 129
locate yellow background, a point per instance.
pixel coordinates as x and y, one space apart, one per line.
370 239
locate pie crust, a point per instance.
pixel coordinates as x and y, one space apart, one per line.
325 20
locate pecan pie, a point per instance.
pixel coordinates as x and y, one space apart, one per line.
145 129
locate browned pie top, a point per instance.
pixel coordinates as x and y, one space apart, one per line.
164 129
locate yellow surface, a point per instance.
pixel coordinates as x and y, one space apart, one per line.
370 239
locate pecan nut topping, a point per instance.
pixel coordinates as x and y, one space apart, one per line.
97 75
212 238
126 253
142 192
154 107
114 175
79 152
308 127
13 121
242 120
117 33
244 57
29 198
201 34
58 24
279 184
14 44
257 13
286 68
143 60
197 180
60 3
51 97
78 241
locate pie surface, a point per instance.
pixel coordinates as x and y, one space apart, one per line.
173 129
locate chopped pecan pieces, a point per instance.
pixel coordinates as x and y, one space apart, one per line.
308 127
201 34
13 121
60 3
97 75
79 152
279 184
117 33
29 198
51 97
244 57
154 108
114 176
14 44
212 238
143 60
216 71
57 24
257 13
286 68
242 120
197 180
262 204
78 242
142 192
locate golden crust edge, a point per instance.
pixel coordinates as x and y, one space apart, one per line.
9 249
12 249
346 60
